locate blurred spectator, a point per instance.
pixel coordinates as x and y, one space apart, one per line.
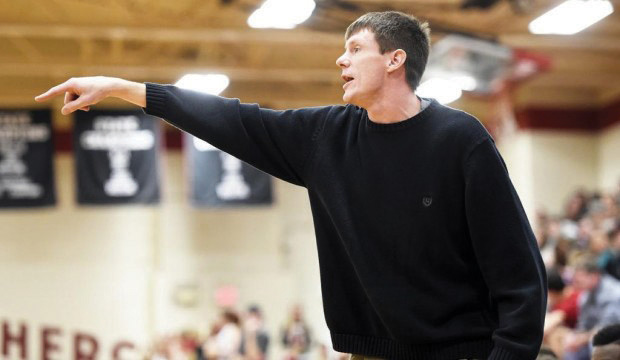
255 341
599 305
296 336
562 302
546 354
606 343
576 207
225 338
610 259
562 312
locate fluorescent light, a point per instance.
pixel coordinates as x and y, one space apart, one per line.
465 82
571 17
210 83
444 91
281 14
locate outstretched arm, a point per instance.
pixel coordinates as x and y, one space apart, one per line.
279 143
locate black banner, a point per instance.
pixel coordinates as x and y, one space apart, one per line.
116 157
26 159
218 179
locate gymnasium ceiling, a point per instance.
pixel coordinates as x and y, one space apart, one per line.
44 42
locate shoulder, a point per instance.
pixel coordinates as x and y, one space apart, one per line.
343 116
329 112
461 128
345 112
466 124
611 288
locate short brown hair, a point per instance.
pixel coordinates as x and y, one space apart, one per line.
589 264
396 30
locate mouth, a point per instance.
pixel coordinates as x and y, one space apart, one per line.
347 79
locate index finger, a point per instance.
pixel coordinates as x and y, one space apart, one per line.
58 89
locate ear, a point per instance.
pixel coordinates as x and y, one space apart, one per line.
396 60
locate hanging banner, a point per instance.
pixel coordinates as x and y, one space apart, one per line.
116 157
26 159
218 179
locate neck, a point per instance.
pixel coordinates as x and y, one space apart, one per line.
394 106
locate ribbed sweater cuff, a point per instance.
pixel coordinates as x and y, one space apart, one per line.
155 100
500 353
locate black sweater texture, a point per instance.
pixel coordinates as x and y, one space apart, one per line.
424 248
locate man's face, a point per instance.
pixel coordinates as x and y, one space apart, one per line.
584 280
363 68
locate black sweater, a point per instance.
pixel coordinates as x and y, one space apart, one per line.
425 251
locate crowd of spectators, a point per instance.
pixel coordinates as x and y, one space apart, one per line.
581 251
243 336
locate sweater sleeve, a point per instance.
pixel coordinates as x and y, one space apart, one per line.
276 142
506 251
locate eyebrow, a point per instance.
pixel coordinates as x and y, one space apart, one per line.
353 42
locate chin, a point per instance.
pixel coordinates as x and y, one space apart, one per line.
347 98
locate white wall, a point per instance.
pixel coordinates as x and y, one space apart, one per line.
517 153
546 166
562 162
609 158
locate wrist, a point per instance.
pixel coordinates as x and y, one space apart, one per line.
118 87
133 92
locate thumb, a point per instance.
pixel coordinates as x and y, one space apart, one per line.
78 103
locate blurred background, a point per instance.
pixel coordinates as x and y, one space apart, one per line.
122 238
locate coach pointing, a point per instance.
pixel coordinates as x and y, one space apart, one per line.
425 251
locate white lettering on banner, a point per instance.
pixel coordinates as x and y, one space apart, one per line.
232 185
16 131
119 135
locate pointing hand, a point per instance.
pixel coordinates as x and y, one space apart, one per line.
81 92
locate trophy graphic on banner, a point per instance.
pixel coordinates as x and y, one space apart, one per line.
119 135
232 185
16 130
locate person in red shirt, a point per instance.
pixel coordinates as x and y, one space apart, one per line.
563 310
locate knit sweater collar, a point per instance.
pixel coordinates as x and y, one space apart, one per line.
416 119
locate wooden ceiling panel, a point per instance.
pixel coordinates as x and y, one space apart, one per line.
159 40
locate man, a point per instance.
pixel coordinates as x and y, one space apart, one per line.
425 250
599 305
255 341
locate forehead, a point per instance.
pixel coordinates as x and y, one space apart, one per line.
363 36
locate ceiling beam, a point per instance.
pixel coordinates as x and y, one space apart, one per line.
298 36
272 36
589 79
574 42
592 78
612 94
26 48
116 50
408 2
158 72
86 50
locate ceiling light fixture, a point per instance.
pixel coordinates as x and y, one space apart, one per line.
444 91
281 14
571 17
210 83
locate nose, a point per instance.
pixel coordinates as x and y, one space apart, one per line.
342 61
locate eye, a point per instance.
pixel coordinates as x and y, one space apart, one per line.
356 49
